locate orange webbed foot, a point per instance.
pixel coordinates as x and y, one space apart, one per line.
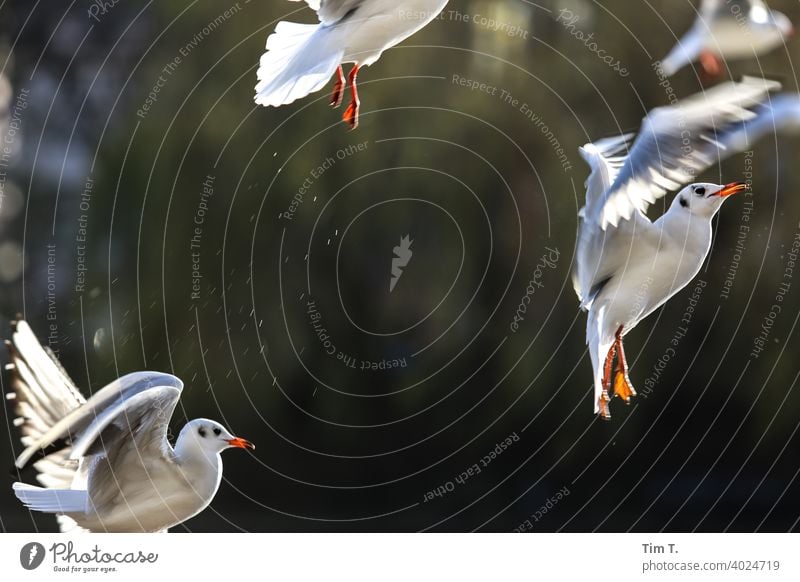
605 410
623 387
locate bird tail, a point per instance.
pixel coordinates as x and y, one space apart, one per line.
52 500
300 59
598 350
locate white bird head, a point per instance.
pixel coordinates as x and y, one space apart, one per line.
782 22
209 437
704 200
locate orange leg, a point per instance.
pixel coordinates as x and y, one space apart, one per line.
622 383
605 412
712 65
338 88
350 116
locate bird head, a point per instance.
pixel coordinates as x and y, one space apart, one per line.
704 200
782 22
210 437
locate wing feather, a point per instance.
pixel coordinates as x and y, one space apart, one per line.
678 142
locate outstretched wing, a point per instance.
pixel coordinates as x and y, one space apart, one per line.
592 268
678 142
137 406
42 394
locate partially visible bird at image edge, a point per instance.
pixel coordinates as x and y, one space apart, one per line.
302 58
105 463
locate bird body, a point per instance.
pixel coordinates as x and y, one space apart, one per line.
627 266
112 468
301 58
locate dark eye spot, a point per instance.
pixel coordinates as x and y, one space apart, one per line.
700 191
217 431
202 432
683 202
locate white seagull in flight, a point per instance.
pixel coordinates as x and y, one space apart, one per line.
106 464
301 58
626 266
728 29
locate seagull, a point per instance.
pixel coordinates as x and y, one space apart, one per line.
301 58
728 29
627 266
105 463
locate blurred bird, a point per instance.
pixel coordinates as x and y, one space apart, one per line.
780 115
106 463
626 266
728 29
301 58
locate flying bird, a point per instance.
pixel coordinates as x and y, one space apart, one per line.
627 266
728 29
301 58
105 463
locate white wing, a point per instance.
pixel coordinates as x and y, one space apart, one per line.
42 394
678 142
782 113
136 408
332 11
599 251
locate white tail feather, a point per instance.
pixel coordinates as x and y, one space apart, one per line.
299 60
51 500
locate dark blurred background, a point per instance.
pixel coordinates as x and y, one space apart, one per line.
104 199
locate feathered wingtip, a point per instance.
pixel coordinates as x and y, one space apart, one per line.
609 146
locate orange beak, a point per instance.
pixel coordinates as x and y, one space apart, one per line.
241 444
732 188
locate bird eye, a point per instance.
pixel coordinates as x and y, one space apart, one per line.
202 432
683 202
217 431
700 191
